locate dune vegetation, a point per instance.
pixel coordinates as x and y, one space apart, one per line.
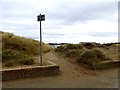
90 52
17 50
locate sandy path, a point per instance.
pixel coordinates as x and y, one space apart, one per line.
72 76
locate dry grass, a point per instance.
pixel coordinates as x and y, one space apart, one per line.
27 45
21 49
90 52
95 55
112 51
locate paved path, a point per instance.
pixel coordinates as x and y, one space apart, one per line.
71 76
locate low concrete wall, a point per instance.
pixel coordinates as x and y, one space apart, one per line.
28 72
106 65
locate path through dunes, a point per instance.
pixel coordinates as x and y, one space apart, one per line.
71 76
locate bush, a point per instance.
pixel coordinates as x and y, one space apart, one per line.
9 63
68 47
19 57
74 53
9 54
27 61
92 56
89 45
74 46
60 49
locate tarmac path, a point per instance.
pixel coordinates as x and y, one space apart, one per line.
71 76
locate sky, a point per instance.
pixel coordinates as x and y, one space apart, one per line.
66 21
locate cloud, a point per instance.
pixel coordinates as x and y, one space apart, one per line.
66 20
53 35
66 12
103 34
14 10
81 13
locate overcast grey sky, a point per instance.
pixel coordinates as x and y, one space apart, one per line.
70 21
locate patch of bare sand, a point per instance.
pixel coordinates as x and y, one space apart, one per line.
81 69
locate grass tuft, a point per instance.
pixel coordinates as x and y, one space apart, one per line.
20 50
92 56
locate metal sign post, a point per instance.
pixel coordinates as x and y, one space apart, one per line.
40 18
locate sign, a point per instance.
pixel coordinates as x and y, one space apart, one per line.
40 17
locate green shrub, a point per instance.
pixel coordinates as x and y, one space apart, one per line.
17 56
27 61
9 54
9 63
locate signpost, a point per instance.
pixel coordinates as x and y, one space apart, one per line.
40 18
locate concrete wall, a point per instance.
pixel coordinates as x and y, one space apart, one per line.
106 65
29 72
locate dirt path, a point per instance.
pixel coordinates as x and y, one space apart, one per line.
71 76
